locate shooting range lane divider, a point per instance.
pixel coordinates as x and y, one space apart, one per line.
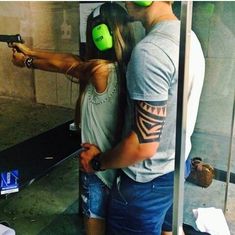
31 159
221 175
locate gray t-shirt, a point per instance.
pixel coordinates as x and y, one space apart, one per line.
152 76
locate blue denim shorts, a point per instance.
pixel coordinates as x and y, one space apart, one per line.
94 195
139 208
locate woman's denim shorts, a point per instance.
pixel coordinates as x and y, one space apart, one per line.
94 194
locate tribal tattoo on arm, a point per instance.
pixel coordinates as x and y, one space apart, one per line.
149 120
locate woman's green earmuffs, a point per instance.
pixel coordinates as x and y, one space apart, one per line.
101 34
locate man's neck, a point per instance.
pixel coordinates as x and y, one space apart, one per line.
158 13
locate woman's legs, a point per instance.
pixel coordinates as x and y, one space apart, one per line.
169 233
166 233
94 226
94 196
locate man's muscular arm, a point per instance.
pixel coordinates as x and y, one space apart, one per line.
140 144
150 119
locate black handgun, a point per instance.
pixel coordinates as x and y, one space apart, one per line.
11 38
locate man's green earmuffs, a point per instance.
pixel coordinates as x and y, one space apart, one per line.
101 35
143 3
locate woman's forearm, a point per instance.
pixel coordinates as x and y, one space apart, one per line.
41 54
55 62
62 64
66 63
58 65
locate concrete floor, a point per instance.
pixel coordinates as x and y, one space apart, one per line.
213 196
213 149
54 197
49 206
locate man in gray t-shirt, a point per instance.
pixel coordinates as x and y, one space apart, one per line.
143 192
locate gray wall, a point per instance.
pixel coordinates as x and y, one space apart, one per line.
213 22
217 34
39 23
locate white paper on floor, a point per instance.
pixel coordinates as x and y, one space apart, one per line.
4 230
211 220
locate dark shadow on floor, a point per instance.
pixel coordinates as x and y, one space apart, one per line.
69 223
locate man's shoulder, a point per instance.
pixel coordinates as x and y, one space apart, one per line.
161 35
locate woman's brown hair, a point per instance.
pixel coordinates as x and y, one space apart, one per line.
117 20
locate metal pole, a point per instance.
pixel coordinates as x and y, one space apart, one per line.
185 32
230 156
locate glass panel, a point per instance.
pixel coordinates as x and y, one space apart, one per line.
213 23
182 113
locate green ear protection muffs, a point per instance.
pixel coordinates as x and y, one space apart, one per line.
143 3
101 35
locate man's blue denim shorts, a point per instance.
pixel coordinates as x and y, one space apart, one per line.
139 208
142 208
94 194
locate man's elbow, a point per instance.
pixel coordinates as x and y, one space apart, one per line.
147 150
137 150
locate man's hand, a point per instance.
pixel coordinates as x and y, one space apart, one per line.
86 157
